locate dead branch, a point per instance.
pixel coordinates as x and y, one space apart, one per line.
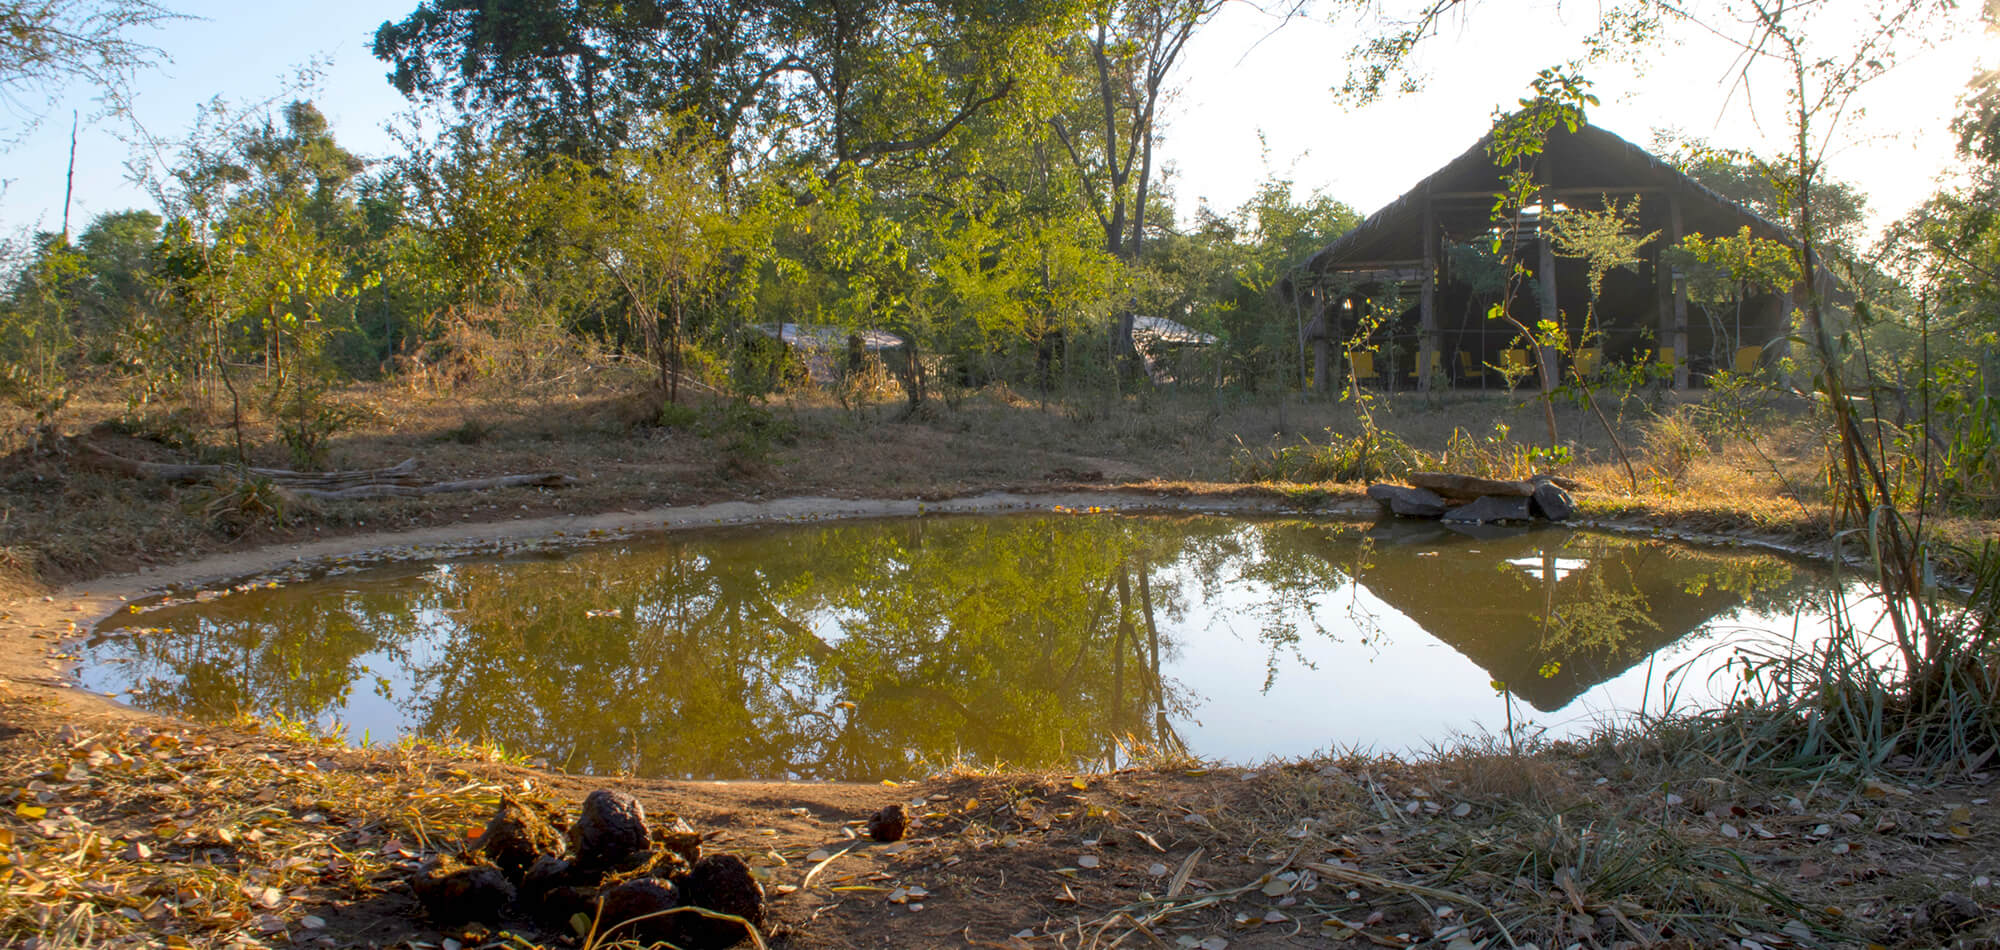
396 481
532 480
402 473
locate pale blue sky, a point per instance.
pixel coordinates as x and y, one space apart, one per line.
1236 83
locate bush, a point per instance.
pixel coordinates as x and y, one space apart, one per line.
1674 442
1496 455
748 435
1369 457
306 417
237 505
673 415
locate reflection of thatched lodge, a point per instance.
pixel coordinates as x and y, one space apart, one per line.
1594 616
1430 253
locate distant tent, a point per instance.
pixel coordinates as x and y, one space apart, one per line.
822 349
1158 338
1162 330
1428 254
1502 620
829 338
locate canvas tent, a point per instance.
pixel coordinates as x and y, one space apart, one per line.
1563 613
1424 251
823 349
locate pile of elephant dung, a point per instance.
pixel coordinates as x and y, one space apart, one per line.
607 872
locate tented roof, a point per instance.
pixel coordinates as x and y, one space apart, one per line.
828 337
1587 160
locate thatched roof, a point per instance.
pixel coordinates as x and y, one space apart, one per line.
1585 161
1447 585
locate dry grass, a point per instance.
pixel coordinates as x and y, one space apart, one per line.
1713 468
122 835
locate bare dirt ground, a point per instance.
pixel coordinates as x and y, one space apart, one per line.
124 828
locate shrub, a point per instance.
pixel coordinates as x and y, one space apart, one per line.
307 417
1374 455
1674 442
236 505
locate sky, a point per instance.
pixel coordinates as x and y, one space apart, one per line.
1245 76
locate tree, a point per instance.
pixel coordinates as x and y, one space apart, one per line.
1753 181
1129 49
47 44
662 236
38 339
830 84
1820 82
250 260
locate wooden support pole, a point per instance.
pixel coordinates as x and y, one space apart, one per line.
1783 341
1674 328
1545 273
1427 344
1322 364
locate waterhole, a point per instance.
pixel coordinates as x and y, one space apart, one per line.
881 649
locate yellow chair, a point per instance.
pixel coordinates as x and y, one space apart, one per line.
1363 362
1436 365
1664 356
1587 361
1467 368
1514 361
1746 360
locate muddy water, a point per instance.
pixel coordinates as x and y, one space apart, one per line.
880 649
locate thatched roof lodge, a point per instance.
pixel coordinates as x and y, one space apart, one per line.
1424 250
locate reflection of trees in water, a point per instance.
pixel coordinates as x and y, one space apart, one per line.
853 650
849 650
265 651
1293 566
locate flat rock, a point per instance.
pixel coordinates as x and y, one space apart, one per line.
1408 502
1551 502
1470 486
1491 508
1567 484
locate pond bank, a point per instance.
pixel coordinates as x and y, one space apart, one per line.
1633 839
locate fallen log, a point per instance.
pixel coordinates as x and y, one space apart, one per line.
402 473
532 480
396 481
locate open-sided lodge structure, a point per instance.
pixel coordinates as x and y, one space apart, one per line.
1429 255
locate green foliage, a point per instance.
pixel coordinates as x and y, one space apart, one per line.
306 417
673 415
1373 455
1673 442
1494 455
1605 240
239 504
1764 185
38 342
876 79
1560 97
1726 269
748 434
